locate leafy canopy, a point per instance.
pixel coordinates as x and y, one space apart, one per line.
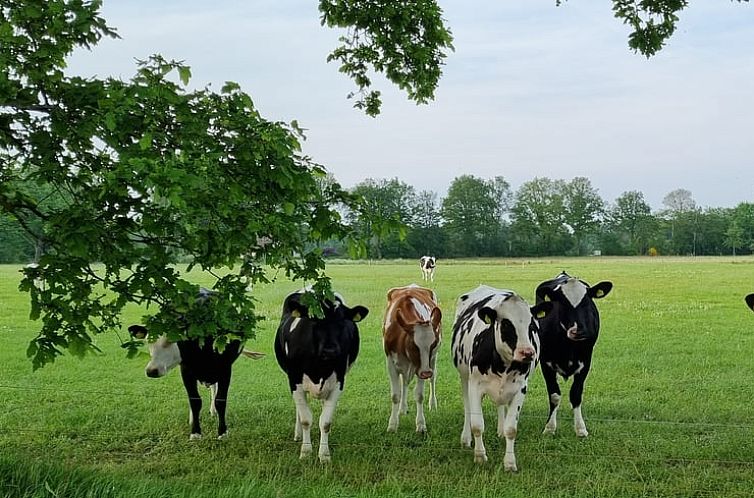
145 174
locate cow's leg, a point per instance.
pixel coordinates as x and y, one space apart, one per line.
576 394
553 391
477 421
297 428
421 423
510 429
466 431
213 392
325 421
405 379
304 419
433 385
195 402
220 402
395 395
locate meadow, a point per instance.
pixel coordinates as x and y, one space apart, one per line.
668 403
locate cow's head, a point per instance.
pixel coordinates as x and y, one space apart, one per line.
577 314
514 325
164 354
750 301
425 334
330 332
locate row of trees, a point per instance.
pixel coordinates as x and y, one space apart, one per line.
544 217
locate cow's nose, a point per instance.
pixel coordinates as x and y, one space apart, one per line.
527 355
153 372
426 374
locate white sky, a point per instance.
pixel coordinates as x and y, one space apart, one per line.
531 90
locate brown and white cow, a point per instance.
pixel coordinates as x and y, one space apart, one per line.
411 335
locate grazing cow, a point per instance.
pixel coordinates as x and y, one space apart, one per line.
750 301
316 353
495 348
200 362
568 335
427 266
411 334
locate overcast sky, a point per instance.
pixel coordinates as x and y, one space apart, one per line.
531 90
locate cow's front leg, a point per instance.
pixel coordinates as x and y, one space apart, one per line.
576 395
395 395
304 419
213 394
510 430
325 422
477 421
195 403
221 402
553 391
405 379
433 384
421 423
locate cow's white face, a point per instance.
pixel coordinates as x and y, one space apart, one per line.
164 356
512 320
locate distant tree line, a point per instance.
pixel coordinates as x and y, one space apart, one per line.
485 218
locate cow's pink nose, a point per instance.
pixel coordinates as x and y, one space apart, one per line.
527 354
427 374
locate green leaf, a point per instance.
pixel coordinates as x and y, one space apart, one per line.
184 73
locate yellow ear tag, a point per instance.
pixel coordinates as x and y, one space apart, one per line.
600 293
547 298
487 320
296 314
541 314
357 317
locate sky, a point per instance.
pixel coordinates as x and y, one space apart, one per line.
531 90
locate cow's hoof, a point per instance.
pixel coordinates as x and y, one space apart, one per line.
223 435
306 451
195 437
510 466
465 441
549 429
421 428
480 458
297 437
581 431
392 428
324 457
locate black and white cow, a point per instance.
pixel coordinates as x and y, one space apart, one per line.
750 301
427 266
568 335
495 349
200 362
316 353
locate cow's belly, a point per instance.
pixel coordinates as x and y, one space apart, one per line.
501 389
323 389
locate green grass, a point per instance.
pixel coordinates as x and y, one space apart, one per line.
668 402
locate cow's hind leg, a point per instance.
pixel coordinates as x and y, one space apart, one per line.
304 419
466 431
553 391
221 402
325 421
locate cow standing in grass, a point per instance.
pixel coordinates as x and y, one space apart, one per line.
427 265
568 335
495 348
200 363
411 334
315 353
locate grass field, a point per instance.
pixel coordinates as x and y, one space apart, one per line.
668 402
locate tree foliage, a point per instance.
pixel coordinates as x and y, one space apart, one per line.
147 174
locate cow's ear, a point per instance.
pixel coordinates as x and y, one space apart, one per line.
435 317
750 301
298 310
357 313
542 309
488 315
600 290
545 294
137 331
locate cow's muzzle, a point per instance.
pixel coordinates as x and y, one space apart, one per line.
525 355
573 333
426 374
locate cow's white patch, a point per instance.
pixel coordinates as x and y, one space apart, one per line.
574 290
421 309
294 324
424 337
323 389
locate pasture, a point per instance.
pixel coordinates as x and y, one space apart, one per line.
668 401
